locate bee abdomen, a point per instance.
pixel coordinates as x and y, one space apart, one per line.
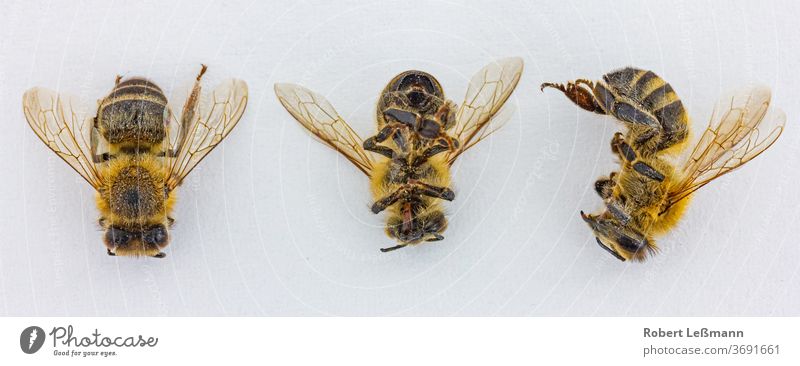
133 113
651 97
139 87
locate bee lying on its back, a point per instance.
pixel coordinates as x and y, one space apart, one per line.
413 120
648 195
133 152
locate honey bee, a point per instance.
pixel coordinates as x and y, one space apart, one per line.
649 193
133 151
420 135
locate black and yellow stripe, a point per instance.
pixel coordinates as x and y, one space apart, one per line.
641 96
133 114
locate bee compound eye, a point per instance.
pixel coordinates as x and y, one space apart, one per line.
155 236
630 244
117 237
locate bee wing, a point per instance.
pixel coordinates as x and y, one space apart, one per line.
740 129
488 91
57 122
319 117
216 115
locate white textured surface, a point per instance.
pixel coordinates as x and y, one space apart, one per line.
273 223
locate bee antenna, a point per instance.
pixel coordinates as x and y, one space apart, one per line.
384 250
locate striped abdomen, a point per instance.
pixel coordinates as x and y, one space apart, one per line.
133 115
649 103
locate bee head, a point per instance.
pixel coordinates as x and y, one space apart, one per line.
409 229
621 242
145 242
410 236
415 99
419 87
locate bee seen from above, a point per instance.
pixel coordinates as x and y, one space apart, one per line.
649 193
133 151
420 135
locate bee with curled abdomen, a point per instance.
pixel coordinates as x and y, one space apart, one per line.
420 135
650 192
133 151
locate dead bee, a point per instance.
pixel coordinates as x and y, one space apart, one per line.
134 153
420 135
649 194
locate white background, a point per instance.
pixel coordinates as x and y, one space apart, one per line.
273 223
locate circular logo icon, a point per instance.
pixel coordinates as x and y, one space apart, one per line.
31 339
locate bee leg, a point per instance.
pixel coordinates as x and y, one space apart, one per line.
447 114
396 247
387 201
621 148
110 253
435 237
170 221
444 193
616 209
371 144
434 225
672 138
638 117
648 140
605 186
425 189
160 255
452 143
400 140
579 92
648 171
442 146
401 116
627 154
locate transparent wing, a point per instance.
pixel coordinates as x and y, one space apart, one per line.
741 128
216 115
488 91
57 122
319 117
